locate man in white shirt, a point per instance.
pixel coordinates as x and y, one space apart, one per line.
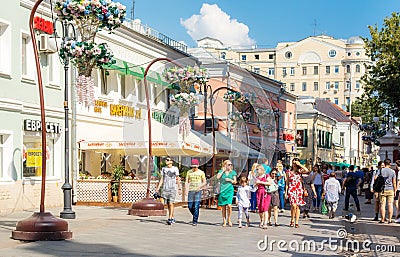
332 190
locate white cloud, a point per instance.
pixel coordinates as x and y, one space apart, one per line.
215 23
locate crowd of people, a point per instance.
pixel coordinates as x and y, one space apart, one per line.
266 189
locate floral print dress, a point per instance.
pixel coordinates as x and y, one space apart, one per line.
295 189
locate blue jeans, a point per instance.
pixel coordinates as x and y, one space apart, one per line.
194 198
353 193
253 201
318 190
281 198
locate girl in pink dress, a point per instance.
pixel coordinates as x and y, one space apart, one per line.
294 190
263 199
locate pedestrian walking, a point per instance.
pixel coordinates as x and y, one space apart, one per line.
397 196
272 191
351 182
195 180
332 190
252 180
170 183
227 177
317 178
309 194
263 199
294 191
243 201
377 197
281 185
266 166
387 196
367 184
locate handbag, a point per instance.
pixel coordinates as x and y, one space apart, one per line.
324 208
217 188
305 193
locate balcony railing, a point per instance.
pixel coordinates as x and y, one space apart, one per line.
154 34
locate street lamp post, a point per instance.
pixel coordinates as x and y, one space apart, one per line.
67 213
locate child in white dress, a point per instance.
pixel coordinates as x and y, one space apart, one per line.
243 201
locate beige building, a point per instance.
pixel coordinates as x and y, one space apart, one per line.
317 66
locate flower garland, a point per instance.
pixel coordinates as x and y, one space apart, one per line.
238 118
184 101
238 97
90 16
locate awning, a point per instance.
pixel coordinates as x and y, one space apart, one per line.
166 141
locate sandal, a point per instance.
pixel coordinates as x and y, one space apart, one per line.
269 224
265 227
230 224
296 226
291 224
276 224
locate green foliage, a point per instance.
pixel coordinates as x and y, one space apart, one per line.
114 188
117 173
367 108
183 171
382 79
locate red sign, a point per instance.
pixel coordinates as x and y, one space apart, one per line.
43 25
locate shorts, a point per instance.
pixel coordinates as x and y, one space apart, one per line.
274 198
169 196
396 197
387 196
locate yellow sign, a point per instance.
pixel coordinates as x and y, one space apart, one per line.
34 158
125 111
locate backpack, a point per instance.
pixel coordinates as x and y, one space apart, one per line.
350 180
379 183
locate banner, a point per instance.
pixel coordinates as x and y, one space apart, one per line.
34 158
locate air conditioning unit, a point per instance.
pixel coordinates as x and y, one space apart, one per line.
46 44
335 91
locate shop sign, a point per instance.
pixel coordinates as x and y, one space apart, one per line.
125 111
43 25
36 125
168 119
99 105
34 158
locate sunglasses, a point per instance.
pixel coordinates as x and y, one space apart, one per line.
229 164
273 173
168 160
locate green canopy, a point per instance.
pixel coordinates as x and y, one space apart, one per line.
340 164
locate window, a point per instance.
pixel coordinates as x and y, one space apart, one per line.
349 54
332 53
223 55
288 55
328 69
348 68
315 86
27 57
271 56
341 138
271 71
358 84
284 71
327 85
257 70
315 70
292 71
358 53
304 86
358 68
336 69
32 166
257 56
302 138
347 101
5 47
304 70
244 57
336 85
292 87
336 100
54 69
348 85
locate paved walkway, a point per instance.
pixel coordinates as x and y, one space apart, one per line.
105 231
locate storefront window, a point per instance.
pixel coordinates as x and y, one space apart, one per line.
32 157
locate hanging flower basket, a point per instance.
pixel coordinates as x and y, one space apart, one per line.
89 16
237 118
186 77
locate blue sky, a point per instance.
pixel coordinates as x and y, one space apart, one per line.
263 22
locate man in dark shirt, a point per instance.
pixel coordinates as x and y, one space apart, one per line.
351 182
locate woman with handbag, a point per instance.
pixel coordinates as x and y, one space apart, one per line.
294 191
309 194
227 178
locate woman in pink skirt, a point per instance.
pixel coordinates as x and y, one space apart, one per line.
263 199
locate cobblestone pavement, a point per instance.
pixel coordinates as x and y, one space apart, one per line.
106 231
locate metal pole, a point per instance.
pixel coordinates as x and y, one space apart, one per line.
67 213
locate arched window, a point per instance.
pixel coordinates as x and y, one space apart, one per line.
358 68
348 68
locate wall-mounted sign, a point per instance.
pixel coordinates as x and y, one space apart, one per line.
36 125
125 111
43 25
168 119
99 105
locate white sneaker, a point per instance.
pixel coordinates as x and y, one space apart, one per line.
397 220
